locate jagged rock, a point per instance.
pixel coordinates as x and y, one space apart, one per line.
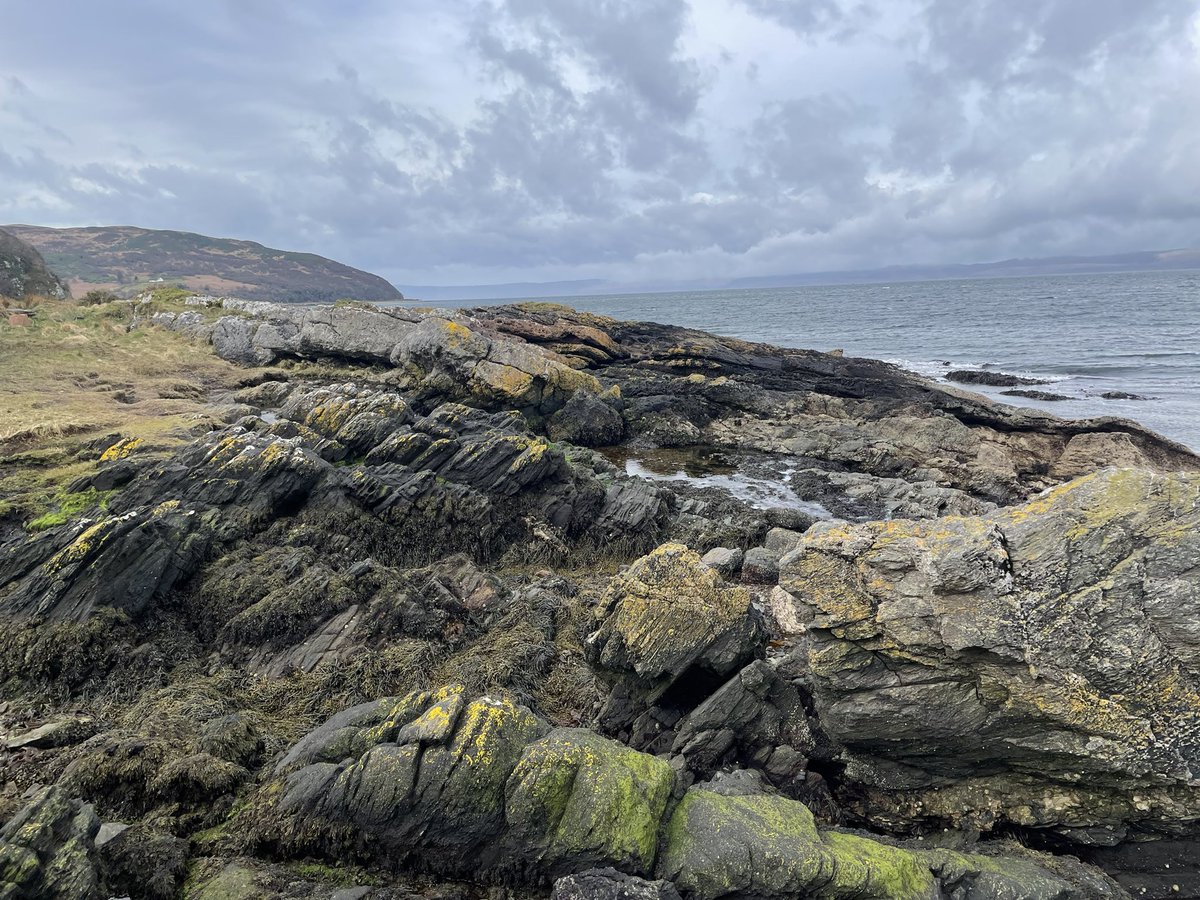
586 420
757 718
609 884
855 495
634 511
1035 667
1044 396
158 529
232 337
484 789
669 617
725 561
762 846
992 379
47 850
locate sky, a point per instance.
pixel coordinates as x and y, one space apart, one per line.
486 141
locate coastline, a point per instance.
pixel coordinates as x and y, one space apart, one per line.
391 573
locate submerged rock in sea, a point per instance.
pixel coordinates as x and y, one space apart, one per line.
1034 668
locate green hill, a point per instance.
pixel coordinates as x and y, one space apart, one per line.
123 259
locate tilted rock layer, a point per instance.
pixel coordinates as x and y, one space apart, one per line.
659 686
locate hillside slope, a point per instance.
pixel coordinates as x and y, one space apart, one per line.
23 272
123 257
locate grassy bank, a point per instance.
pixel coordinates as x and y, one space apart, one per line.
74 376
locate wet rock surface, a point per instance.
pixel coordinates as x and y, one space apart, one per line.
522 596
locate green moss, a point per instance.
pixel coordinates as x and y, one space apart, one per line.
588 795
338 875
766 845
69 506
232 883
18 866
873 869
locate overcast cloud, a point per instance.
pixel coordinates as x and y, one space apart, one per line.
464 141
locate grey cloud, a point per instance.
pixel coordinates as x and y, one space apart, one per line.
811 18
526 139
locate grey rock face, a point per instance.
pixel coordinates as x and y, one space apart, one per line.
668 614
782 541
757 718
23 272
1037 666
727 562
47 850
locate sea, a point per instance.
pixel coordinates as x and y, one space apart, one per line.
1137 333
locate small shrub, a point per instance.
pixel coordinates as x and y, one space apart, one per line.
97 298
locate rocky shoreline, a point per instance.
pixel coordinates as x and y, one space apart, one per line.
397 619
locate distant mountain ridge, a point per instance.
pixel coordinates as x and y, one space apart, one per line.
123 258
1140 261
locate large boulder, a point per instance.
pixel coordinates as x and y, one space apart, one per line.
23 272
469 787
577 799
484 789
427 781
764 846
1035 667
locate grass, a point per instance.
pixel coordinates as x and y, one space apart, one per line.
69 506
75 374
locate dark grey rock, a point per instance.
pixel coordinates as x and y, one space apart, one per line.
991 379
756 719
761 566
781 541
585 419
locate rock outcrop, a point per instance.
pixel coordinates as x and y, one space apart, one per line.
669 623
1036 667
23 272
852 635
443 784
